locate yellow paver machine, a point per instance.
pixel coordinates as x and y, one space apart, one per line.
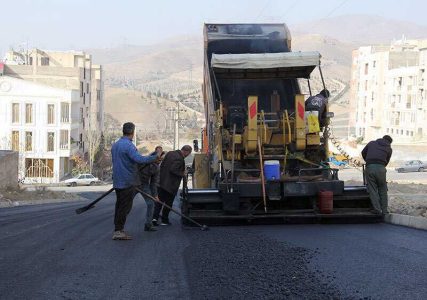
264 155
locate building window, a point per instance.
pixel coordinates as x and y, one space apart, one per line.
84 73
15 112
366 85
50 141
80 140
50 113
87 88
374 64
31 61
98 95
81 114
28 141
36 167
15 140
366 69
44 61
81 89
28 113
64 144
65 112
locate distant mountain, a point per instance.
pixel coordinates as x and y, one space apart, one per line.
175 66
362 29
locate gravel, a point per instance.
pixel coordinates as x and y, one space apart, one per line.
226 265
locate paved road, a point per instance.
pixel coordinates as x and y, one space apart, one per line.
49 252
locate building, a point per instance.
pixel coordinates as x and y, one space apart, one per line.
52 105
388 85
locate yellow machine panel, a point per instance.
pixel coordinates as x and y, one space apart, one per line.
300 122
252 129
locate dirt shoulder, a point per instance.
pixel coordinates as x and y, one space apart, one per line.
405 198
22 196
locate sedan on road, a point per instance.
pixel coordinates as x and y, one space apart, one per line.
82 179
412 166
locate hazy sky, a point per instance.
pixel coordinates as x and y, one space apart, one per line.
76 24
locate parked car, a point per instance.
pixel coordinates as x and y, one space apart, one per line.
412 166
336 162
82 179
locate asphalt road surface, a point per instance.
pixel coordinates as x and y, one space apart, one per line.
49 252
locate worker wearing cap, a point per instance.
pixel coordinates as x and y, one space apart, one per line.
125 159
149 176
172 171
377 155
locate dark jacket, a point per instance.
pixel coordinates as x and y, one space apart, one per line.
172 171
377 152
317 103
150 175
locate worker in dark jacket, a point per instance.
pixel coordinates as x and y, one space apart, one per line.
149 176
125 157
172 170
377 155
318 103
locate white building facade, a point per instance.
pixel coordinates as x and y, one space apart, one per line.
42 123
52 103
388 92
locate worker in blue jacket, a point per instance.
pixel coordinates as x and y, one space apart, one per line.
125 159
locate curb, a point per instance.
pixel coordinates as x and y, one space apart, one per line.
407 221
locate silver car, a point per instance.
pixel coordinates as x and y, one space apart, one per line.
82 179
412 166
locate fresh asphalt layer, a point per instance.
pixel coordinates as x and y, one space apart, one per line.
49 252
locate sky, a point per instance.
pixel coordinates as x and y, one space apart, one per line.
82 24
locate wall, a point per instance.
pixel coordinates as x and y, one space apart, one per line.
8 168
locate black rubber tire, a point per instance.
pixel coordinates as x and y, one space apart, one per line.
421 169
73 184
92 183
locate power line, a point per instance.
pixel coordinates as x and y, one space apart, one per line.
289 9
267 3
335 8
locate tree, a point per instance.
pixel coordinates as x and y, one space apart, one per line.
80 165
94 139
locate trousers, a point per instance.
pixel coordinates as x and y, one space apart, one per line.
123 206
150 203
377 187
166 198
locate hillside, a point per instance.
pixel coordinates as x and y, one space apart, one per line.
174 67
361 29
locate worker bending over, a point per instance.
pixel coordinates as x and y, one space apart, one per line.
172 170
377 155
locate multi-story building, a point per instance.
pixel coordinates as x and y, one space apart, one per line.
53 102
388 92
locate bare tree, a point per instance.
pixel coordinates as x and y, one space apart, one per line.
94 139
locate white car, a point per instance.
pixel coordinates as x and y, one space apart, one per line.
82 179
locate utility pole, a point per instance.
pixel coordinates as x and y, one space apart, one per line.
176 119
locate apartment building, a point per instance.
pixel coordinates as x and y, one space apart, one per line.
42 124
388 92
53 101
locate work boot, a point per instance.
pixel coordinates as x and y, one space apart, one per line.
165 223
121 235
376 212
154 222
149 227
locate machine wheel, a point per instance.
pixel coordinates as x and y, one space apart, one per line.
73 184
92 183
421 169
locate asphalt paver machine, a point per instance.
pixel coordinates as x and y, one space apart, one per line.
256 121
